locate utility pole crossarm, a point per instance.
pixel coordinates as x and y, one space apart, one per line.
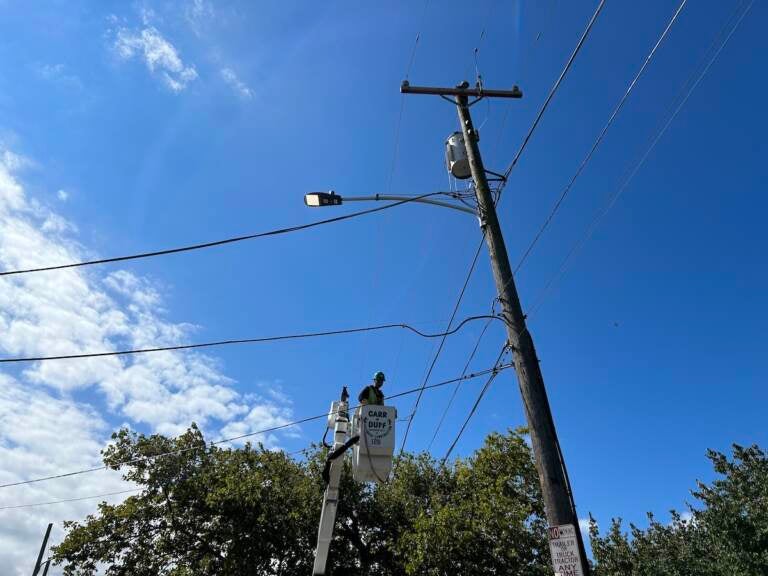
461 90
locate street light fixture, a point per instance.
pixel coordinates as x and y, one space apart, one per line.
316 199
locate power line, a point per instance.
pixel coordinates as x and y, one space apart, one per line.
456 388
51 502
527 55
418 38
241 436
631 174
189 248
398 125
479 43
374 278
600 137
483 390
552 92
442 341
104 495
250 341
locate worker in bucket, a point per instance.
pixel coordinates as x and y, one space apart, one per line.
372 394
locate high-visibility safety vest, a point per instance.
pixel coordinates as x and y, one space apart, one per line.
372 395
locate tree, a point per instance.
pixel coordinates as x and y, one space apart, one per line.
202 511
489 519
250 511
726 535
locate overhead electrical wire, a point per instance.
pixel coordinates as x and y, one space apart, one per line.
597 142
631 173
527 55
67 500
442 341
103 495
500 188
552 93
247 435
467 279
201 246
375 276
416 41
483 390
250 341
600 137
456 388
399 123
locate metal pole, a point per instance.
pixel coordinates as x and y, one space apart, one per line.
42 550
550 465
398 197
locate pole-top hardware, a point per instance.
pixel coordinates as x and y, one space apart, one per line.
462 89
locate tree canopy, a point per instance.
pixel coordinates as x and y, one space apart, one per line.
724 534
208 510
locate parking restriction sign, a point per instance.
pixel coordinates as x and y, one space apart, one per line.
564 548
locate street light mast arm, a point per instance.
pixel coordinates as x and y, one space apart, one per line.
411 198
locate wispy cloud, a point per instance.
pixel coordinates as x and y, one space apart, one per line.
45 427
160 56
59 75
240 88
198 14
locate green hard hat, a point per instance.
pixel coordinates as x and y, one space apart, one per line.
379 376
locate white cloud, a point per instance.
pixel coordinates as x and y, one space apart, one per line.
263 415
240 88
159 55
45 427
62 195
40 436
584 525
148 15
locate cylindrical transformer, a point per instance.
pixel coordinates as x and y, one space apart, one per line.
456 156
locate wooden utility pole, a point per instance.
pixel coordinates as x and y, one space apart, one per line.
553 477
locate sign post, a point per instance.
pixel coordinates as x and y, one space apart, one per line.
564 548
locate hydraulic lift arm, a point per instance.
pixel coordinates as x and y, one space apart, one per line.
332 476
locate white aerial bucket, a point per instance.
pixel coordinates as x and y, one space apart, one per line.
372 454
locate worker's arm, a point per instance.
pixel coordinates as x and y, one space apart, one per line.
363 395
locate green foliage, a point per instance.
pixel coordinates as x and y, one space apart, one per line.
489 520
726 534
203 511
250 511
209 510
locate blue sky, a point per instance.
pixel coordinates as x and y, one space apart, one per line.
132 127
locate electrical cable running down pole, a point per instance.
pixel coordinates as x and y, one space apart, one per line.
564 532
